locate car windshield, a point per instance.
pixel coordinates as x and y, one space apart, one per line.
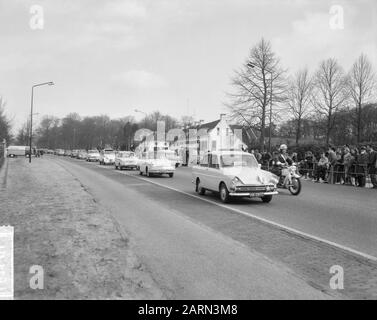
92 151
109 152
238 160
126 154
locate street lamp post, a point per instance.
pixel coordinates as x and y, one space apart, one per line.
251 65
31 113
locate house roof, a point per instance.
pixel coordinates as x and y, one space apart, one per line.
208 125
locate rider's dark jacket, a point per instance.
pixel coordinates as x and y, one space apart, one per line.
284 160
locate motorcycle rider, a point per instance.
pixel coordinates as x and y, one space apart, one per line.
282 160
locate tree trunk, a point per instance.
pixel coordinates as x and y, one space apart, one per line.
298 130
359 124
263 126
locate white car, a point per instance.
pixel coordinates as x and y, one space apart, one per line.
156 166
233 174
93 155
82 155
107 156
126 159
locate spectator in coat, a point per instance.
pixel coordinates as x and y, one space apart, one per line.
322 167
309 161
332 160
362 167
372 165
348 160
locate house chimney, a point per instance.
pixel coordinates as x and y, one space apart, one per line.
222 116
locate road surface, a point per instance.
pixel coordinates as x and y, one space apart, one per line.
196 247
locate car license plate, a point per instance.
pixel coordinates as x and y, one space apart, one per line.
253 195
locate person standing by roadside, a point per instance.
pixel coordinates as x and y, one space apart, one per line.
347 161
309 161
332 160
362 167
353 166
372 165
322 167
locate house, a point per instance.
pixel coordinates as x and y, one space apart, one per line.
216 135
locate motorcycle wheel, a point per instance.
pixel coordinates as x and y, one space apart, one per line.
295 188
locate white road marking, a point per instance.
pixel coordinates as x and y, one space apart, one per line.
266 221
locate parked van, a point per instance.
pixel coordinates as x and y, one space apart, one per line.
17 151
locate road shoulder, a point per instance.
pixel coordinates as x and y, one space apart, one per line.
58 225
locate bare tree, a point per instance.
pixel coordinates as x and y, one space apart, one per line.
360 85
5 123
259 83
299 98
330 92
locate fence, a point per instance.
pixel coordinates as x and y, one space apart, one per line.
339 173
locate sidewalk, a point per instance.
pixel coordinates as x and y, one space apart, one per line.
58 225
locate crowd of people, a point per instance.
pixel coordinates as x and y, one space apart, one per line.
338 165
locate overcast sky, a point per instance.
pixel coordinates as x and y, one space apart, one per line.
175 56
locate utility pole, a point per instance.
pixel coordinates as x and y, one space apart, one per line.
31 113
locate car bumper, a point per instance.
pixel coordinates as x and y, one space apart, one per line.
160 171
128 164
252 194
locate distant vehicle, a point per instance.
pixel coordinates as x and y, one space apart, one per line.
107 156
59 152
17 151
125 160
75 153
50 151
233 174
67 153
156 165
82 155
93 155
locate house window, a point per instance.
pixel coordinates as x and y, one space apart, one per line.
227 131
218 131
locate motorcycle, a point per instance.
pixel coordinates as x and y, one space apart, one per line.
290 179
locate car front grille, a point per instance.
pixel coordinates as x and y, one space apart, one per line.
251 188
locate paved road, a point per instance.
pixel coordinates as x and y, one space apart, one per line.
198 248
341 214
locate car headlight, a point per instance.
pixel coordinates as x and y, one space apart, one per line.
236 182
270 188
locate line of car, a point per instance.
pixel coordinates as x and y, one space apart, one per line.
233 174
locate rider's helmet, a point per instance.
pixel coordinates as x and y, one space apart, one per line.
283 147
